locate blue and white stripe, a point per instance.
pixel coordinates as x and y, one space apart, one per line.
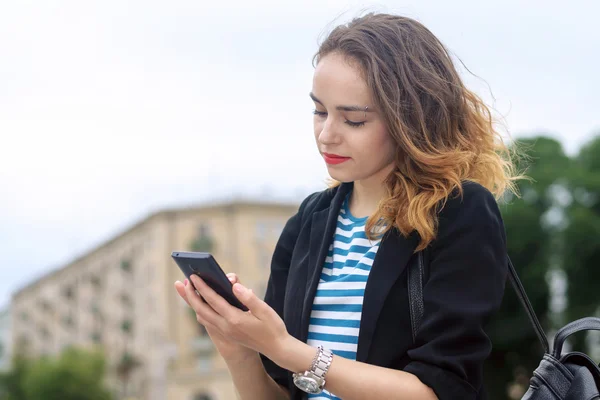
337 307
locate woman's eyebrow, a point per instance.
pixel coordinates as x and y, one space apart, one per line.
342 108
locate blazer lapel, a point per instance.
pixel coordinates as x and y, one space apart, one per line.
323 227
392 257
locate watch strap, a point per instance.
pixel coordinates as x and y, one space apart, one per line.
321 362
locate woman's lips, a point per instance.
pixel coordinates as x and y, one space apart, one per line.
334 159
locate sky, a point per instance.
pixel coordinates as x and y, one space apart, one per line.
112 110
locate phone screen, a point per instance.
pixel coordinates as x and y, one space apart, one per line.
206 267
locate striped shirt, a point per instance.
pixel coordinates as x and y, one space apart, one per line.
337 307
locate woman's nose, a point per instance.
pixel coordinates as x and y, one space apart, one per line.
328 133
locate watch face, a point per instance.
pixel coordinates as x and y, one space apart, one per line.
308 385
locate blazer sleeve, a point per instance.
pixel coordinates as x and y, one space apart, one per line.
275 293
465 286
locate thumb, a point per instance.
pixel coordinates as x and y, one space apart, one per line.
258 307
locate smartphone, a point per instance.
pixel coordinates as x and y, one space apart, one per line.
206 267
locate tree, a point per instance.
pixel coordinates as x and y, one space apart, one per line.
12 382
128 363
582 238
531 246
125 368
554 228
74 375
203 243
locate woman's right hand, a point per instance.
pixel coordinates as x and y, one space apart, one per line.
229 350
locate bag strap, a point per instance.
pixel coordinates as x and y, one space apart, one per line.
415 297
416 273
522 295
583 324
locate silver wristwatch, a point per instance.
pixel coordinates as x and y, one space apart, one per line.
313 380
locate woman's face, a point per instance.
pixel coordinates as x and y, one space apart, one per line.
350 134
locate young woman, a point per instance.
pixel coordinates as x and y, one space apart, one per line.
417 165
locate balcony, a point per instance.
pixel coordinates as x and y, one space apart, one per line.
202 346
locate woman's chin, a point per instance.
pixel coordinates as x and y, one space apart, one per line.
339 175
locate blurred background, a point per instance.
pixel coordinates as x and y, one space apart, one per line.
133 128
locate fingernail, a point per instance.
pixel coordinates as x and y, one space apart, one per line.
185 282
239 288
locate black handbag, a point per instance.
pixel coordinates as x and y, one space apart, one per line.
570 376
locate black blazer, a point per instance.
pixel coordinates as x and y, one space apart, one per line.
464 286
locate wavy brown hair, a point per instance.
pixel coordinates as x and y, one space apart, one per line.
444 133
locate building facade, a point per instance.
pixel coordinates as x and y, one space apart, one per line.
5 339
120 296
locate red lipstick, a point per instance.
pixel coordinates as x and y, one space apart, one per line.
334 159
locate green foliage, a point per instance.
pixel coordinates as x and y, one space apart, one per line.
545 161
515 344
74 375
588 156
582 238
582 253
203 243
127 364
12 382
554 225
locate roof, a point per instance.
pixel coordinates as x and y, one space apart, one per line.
169 212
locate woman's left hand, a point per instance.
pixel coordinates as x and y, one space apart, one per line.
260 328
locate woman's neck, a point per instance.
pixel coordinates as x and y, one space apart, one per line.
366 195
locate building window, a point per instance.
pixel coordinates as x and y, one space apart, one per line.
69 293
127 326
126 265
45 306
44 333
95 281
126 300
68 321
96 337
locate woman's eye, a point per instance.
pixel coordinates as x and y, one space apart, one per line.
355 124
347 121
